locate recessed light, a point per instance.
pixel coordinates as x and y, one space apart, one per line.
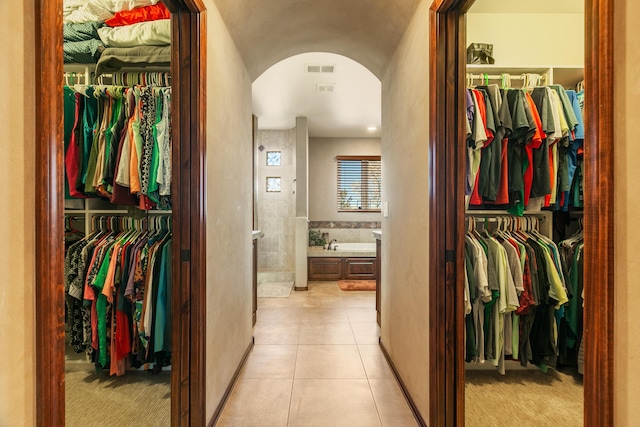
372 128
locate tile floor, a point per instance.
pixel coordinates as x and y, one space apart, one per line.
317 362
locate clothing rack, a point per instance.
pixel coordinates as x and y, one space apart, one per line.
508 301
135 295
124 223
133 78
543 220
529 79
72 78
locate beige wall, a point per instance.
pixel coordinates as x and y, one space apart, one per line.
405 185
627 206
513 44
323 176
229 197
277 211
17 215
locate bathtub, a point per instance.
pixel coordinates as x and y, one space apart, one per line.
344 249
355 247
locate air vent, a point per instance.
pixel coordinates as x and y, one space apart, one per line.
325 88
317 68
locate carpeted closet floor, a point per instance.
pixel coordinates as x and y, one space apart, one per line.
136 399
523 398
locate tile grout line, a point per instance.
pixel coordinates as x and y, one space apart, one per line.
366 374
295 364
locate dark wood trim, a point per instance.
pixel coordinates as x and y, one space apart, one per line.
440 348
447 68
358 157
378 281
188 405
48 190
407 396
227 393
599 215
254 281
447 210
188 384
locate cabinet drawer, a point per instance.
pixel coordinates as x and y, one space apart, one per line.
359 268
324 268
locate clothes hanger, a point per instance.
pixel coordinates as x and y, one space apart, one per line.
505 80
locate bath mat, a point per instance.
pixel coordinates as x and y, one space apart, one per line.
274 289
357 285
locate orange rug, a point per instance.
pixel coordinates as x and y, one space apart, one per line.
357 285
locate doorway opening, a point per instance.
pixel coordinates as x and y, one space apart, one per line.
312 110
188 259
448 56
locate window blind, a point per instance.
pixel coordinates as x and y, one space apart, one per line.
359 183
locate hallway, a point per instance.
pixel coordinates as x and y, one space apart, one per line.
317 362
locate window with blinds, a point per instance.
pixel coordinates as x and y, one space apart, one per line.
359 184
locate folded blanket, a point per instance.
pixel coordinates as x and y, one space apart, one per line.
78 32
82 52
153 33
115 58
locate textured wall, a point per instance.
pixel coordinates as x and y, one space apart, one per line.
17 215
627 206
405 185
277 211
511 36
229 198
323 176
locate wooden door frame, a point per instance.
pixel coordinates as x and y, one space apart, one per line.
446 281
188 62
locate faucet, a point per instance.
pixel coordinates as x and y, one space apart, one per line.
332 241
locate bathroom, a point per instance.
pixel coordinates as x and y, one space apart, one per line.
294 226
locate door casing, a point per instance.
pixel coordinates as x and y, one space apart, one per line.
446 280
188 137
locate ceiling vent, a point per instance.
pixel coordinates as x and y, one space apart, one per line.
319 68
325 87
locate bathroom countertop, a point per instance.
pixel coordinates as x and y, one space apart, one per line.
318 251
256 234
377 234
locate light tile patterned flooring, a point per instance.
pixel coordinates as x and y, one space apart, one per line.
317 362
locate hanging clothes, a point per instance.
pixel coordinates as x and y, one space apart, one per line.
120 146
516 293
541 132
118 286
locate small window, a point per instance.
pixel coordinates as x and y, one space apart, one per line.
273 184
273 158
359 185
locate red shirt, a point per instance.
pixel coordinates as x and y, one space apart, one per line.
535 142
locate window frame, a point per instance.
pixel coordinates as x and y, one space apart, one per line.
356 158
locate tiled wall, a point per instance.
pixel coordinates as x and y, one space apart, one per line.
276 210
347 231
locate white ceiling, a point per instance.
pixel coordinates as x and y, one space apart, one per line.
527 6
286 91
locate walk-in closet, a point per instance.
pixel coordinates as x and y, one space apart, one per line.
524 203
117 212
